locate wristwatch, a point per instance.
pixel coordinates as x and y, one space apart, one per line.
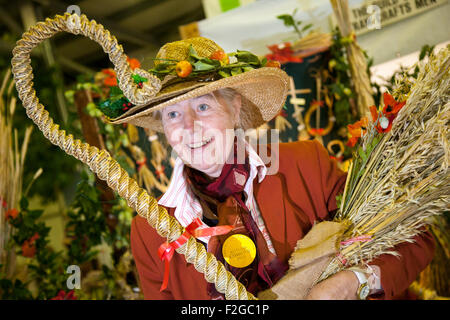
363 290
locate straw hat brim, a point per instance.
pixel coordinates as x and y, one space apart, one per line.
263 92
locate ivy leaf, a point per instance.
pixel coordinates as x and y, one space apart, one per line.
248 57
137 78
236 71
212 62
163 66
193 53
35 214
247 68
224 73
202 66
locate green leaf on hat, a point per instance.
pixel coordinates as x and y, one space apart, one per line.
163 66
236 71
248 57
247 68
212 62
202 66
193 53
224 73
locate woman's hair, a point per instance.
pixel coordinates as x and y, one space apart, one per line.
228 95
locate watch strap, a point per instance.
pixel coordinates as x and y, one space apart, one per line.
363 282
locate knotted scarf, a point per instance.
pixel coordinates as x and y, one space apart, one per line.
222 201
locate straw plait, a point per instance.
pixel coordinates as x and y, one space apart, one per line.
100 161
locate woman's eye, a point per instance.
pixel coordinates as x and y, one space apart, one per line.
172 114
203 107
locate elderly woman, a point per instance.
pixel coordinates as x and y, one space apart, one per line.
222 184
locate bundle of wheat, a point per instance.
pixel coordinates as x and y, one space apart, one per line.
313 42
399 180
12 159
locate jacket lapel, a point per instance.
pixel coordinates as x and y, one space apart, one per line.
269 197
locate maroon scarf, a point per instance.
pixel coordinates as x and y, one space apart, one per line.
217 197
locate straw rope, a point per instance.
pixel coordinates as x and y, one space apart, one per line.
100 161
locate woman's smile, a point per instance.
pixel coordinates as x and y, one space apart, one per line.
201 144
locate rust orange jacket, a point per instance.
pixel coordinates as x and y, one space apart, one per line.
301 192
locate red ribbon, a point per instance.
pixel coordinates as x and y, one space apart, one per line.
141 163
167 249
363 238
159 172
341 258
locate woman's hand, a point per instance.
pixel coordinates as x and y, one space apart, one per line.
341 286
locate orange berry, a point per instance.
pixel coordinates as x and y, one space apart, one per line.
183 69
110 82
110 72
34 237
28 249
221 56
134 63
273 64
12 213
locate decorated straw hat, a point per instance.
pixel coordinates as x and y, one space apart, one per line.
198 66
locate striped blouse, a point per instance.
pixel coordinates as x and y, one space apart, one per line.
188 207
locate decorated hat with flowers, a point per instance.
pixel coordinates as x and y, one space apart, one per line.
198 66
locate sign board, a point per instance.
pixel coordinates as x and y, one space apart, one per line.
374 14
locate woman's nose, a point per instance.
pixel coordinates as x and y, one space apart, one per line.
190 117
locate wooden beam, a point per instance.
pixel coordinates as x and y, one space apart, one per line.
65 63
120 32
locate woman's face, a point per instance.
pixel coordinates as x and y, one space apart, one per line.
201 130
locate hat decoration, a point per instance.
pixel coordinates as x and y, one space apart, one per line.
194 67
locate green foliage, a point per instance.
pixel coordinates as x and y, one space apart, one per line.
13 290
290 21
46 267
338 86
87 224
117 104
114 108
86 228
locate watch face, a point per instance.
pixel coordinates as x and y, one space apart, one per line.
364 292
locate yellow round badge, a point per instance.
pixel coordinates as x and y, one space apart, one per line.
239 250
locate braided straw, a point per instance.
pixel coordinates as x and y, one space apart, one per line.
100 161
